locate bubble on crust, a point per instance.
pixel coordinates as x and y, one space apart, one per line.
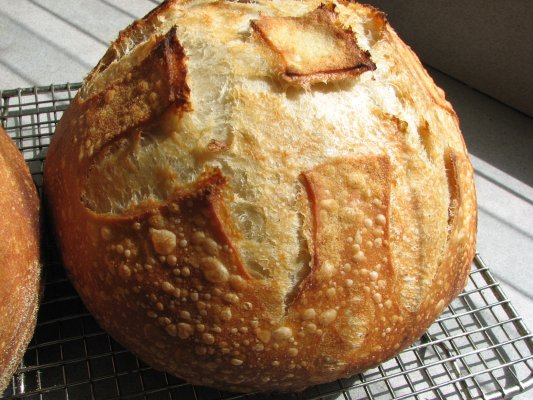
264 335
326 271
236 361
124 271
164 241
106 233
309 314
198 237
225 314
231 298
282 333
210 246
329 204
171 330
327 317
237 282
208 338
167 287
185 330
213 270
359 256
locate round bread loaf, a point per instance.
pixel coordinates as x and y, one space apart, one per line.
262 195
19 258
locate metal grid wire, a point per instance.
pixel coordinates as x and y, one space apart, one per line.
478 348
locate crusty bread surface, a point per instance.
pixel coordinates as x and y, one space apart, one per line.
262 195
19 254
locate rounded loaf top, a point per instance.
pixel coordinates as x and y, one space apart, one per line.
262 195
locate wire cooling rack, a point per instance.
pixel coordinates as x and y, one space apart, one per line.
479 348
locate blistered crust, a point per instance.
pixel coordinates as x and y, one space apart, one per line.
19 251
345 168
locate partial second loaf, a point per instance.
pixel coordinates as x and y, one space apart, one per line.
20 268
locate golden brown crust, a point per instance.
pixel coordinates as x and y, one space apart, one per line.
19 252
247 234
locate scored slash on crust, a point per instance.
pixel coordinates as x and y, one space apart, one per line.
314 47
148 90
